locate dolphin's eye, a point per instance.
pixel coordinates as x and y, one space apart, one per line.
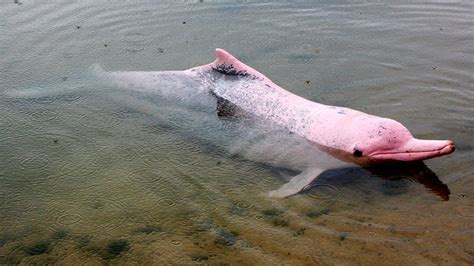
357 153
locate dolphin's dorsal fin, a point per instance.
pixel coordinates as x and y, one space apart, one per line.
226 63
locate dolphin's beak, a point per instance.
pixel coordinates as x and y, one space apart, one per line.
418 150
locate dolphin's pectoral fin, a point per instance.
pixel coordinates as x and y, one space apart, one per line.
297 184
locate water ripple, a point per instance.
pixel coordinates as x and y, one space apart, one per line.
101 120
322 191
336 207
166 202
37 158
68 219
134 37
461 243
91 214
465 211
145 176
63 97
43 115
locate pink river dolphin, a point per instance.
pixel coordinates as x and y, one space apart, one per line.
346 134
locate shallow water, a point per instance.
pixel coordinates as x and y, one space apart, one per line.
93 175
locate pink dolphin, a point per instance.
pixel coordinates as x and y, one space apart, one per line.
348 135
345 133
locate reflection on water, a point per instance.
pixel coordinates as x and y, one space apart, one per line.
90 174
418 172
392 179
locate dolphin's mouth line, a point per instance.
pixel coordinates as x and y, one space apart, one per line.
449 148
407 152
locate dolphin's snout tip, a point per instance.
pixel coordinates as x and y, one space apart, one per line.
450 147
447 148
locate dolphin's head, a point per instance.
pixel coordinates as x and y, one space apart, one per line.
381 139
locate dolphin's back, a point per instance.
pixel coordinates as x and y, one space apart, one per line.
253 92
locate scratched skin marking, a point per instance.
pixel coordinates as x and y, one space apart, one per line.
246 89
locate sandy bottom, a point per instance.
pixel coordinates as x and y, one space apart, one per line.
87 186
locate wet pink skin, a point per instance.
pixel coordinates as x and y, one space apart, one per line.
346 133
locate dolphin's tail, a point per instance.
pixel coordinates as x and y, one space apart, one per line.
96 70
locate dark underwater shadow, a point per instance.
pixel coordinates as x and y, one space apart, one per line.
414 171
390 179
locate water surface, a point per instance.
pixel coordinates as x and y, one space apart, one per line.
89 175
